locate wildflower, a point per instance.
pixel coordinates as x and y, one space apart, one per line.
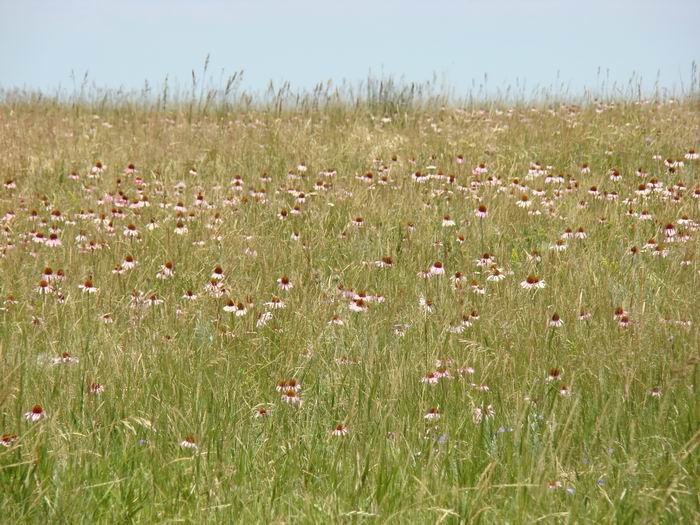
96 389
35 414
336 321
218 274
559 245
431 378
290 396
340 430
385 262
554 374
564 391
261 412
532 282
432 415
153 300
239 309
275 303
482 211
131 231
7 440
447 222
584 315
189 443
437 268
556 321
263 319
524 201
358 305
53 241
189 295
44 287
88 287
426 305
166 271
655 392
129 262
180 228
284 283
65 358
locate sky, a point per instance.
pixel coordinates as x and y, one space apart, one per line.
568 45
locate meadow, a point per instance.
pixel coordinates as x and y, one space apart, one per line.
388 311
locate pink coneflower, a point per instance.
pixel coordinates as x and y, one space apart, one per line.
532 282
35 414
459 159
358 305
166 271
584 315
524 201
53 241
614 175
481 169
556 321
131 231
336 321
433 414
481 211
65 358
129 262
624 321
580 233
340 430
477 288
239 309
262 319
180 228
585 169
88 286
437 268
496 275
554 374
358 222
692 155
447 222
655 392
284 283
153 300
189 443
385 262
44 287
275 303
218 274
292 397
7 440
426 305
189 295
96 389
431 378
564 391
559 246
262 412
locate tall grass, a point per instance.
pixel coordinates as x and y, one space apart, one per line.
617 444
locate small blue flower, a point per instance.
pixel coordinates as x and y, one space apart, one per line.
571 490
600 482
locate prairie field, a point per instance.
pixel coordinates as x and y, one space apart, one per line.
380 312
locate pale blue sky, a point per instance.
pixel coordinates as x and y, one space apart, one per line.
123 43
